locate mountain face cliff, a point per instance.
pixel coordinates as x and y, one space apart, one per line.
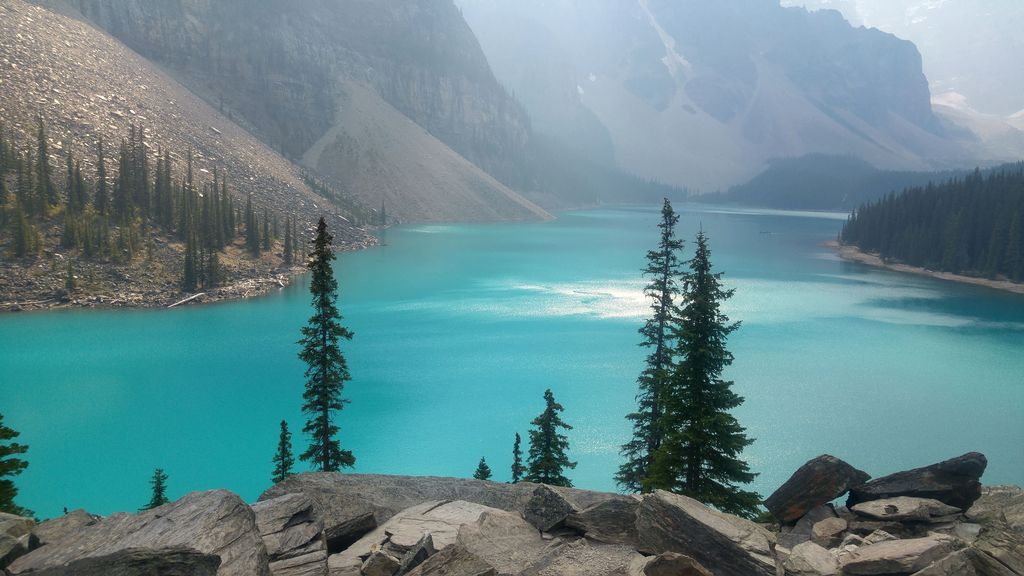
313 78
704 93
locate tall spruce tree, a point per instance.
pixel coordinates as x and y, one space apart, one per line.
483 471
327 370
102 199
548 460
159 486
10 465
283 459
663 268
517 460
289 249
699 455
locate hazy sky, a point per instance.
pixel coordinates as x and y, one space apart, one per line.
971 47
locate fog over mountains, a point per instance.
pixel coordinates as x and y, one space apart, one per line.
703 94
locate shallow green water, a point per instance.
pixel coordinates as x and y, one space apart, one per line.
459 329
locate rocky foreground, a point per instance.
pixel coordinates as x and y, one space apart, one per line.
932 521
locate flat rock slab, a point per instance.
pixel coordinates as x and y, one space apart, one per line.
141 562
611 522
215 522
896 556
904 509
55 530
967 562
955 482
810 559
583 558
293 536
819 481
731 546
498 542
15 537
999 504
673 564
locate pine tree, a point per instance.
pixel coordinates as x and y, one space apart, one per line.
102 199
10 466
326 371
266 231
517 460
289 250
159 485
483 471
283 460
663 267
190 274
547 459
699 455
46 192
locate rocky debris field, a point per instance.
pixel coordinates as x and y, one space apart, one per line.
932 521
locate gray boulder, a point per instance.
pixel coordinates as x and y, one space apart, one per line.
216 522
293 536
803 530
828 532
810 559
381 563
1003 544
15 537
140 562
497 543
999 504
967 562
897 556
904 509
546 508
819 481
55 530
583 558
731 546
612 521
673 564
955 482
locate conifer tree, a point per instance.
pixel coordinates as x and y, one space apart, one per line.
663 268
283 460
102 199
159 486
699 455
45 191
190 274
289 250
10 465
327 370
547 459
483 471
517 460
266 231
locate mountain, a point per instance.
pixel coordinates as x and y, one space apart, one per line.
821 182
392 102
702 94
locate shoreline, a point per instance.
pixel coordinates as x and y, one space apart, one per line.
854 254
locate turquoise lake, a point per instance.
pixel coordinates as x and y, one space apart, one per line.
459 329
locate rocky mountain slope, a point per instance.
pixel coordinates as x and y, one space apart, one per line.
702 94
931 521
387 100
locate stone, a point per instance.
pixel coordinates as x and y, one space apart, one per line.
418 554
799 533
583 558
967 562
546 508
866 527
350 503
15 537
810 559
668 522
1003 544
955 482
381 564
879 536
55 530
503 540
452 561
140 562
340 565
404 531
904 509
819 481
896 556
674 564
292 535
828 531
612 521
999 504
215 522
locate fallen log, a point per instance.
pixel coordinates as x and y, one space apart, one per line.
189 299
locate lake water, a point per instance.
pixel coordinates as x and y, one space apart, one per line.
460 329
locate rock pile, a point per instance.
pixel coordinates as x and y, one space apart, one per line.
933 521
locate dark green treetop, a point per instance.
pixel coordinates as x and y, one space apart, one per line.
663 268
547 458
483 471
159 485
10 465
517 460
283 459
327 370
699 456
